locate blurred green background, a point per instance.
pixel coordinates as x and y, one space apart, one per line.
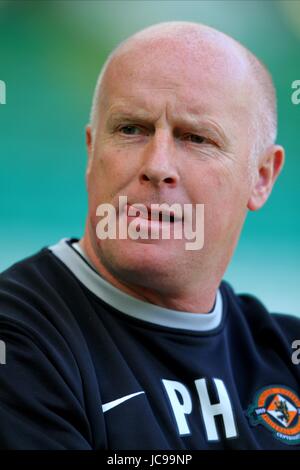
50 56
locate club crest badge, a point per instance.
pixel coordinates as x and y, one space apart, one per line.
278 409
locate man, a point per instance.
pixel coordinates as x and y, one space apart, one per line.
135 342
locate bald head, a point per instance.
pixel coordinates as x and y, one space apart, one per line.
211 51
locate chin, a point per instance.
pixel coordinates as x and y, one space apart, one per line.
140 259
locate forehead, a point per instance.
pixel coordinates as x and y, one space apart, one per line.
211 80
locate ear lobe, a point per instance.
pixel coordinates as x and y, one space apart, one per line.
269 167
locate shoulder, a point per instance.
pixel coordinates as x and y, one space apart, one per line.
256 315
36 316
30 271
34 298
39 280
23 282
46 361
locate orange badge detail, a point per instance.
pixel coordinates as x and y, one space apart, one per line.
278 409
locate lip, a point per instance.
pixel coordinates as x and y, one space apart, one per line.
153 215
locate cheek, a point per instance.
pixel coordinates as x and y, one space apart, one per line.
224 195
106 176
206 185
228 185
111 174
115 164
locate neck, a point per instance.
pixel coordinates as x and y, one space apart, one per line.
194 300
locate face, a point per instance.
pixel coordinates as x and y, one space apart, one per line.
173 127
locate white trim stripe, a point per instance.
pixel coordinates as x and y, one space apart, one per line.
129 305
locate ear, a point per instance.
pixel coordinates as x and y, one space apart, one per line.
267 171
89 146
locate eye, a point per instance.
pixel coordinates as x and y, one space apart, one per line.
196 139
130 130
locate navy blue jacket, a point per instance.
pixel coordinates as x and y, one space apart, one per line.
86 366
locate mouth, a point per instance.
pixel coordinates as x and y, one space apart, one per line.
152 214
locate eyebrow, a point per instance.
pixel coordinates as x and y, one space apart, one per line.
190 120
117 116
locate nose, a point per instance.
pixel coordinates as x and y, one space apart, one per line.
159 162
